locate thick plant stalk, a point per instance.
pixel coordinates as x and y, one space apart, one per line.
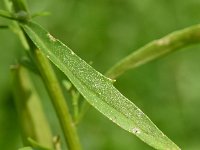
156 49
58 100
32 119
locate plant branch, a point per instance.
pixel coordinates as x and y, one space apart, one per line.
53 87
58 100
156 49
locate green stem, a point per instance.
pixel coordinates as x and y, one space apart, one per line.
156 49
58 100
19 5
32 119
53 88
75 103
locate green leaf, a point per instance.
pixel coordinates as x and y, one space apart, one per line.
5 14
98 90
20 16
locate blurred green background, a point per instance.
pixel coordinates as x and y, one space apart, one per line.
103 32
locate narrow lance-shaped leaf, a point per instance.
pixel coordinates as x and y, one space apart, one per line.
5 14
98 90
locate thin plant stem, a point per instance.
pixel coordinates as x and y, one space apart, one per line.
156 49
75 103
58 100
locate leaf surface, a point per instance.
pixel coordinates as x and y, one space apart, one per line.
98 90
5 14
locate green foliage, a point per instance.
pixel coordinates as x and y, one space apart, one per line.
6 14
167 90
97 89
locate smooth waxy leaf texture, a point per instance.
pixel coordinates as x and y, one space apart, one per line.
98 90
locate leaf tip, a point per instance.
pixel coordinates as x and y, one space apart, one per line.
111 80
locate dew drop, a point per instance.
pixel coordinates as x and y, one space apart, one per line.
112 80
72 53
